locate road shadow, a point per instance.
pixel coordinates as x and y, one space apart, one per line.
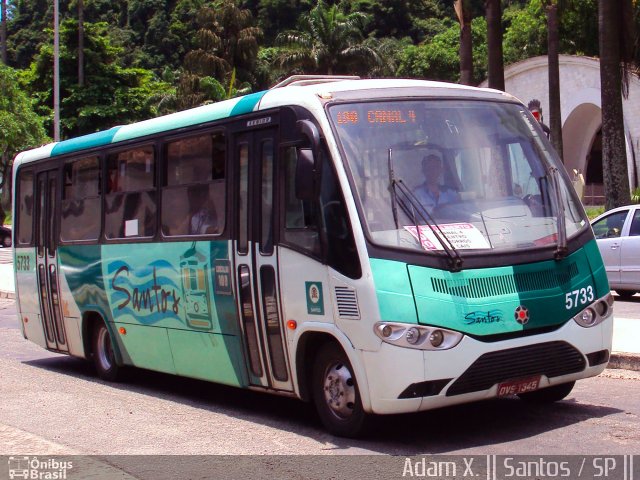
634 299
455 428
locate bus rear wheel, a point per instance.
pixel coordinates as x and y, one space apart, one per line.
336 394
104 356
549 394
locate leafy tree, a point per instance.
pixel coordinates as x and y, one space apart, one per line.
3 31
275 16
526 35
400 18
26 29
526 29
438 58
327 41
183 24
20 127
111 94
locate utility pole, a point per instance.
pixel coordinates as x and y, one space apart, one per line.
56 72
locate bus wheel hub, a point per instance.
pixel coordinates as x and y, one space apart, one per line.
339 390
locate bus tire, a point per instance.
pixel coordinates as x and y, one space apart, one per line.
626 294
104 357
335 393
549 394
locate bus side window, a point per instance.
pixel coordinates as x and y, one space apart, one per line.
300 225
130 203
302 219
81 200
193 194
25 208
341 251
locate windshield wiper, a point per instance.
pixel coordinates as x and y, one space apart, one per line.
392 183
403 196
561 249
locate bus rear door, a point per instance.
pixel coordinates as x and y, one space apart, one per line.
256 260
47 260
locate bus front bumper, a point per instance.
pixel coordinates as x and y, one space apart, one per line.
402 380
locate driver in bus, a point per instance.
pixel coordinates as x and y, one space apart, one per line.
431 193
203 220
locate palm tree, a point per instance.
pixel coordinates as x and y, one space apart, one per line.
227 45
615 22
555 117
493 12
463 10
327 42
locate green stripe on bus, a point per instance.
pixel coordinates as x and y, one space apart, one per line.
393 290
87 141
247 103
177 120
186 118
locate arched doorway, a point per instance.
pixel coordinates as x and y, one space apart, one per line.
583 148
594 189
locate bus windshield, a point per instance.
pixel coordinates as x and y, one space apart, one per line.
458 175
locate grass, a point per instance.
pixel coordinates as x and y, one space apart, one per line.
593 212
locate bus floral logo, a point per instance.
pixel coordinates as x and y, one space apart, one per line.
491 316
522 314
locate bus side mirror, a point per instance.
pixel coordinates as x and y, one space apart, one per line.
307 169
305 174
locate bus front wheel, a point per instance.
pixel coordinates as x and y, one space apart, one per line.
335 393
549 394
103 355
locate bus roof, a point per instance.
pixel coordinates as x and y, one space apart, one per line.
306 94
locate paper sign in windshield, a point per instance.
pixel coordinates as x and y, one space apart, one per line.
461 235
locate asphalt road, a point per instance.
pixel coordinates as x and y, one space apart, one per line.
58 399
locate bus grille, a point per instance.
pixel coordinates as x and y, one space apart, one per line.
505 284
347 303
551 359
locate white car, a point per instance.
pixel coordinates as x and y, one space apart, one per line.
618 236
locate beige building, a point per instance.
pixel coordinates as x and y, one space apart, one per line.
581 114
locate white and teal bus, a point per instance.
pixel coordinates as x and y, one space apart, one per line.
374 246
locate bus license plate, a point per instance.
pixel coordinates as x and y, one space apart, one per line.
514 387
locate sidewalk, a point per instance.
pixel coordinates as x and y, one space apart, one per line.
626 331
7 281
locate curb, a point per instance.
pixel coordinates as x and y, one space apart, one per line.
625 361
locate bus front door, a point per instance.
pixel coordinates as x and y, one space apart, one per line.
47 260
256 262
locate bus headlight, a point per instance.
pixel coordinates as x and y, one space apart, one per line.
596 313
417 336
436 338
587 317
413 335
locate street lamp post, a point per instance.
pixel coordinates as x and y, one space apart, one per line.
56 72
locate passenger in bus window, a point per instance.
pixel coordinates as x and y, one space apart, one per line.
203 219
432 193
